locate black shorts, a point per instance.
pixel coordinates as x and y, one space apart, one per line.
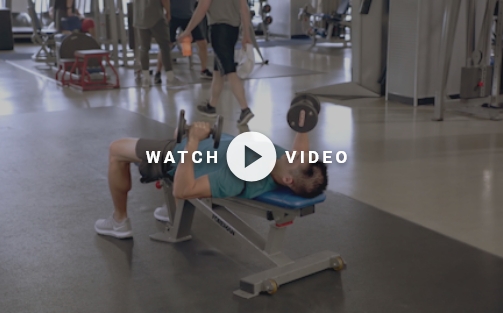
223 40
153 171
175 23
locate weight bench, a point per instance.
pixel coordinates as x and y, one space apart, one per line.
280 207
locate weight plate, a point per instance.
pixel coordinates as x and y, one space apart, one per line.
266 8
217 133
77 41
310 98
181 126
310 120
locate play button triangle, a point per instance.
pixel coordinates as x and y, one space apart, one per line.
250 156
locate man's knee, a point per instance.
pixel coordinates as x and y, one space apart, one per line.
124 150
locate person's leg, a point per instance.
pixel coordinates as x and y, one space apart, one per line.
217 82
159 63
217 85
161 35
237 87
226 41
173 25
202 48
145 38
122 153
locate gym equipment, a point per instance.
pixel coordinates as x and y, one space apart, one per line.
42 37
327 27
369 49
6 36
479 79
302 116
183 128
280 207
82 63
66 45
264 11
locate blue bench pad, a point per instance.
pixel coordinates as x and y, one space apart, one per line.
285 198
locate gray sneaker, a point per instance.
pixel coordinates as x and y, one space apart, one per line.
207 110
245 116
110 227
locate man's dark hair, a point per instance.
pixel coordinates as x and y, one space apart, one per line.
311 181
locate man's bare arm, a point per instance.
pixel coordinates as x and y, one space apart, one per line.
301 142
185 185
245 17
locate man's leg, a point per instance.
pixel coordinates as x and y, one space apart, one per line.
122 154
145 38
238 89
173 25
161 35
202 48
159 63
217 85
224 38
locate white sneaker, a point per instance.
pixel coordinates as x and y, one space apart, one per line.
161 214
145 82
110 227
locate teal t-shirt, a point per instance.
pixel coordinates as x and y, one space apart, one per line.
223 183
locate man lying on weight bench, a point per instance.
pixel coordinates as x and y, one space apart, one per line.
200 180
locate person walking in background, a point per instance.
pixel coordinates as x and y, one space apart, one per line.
181 13
151 20
224 17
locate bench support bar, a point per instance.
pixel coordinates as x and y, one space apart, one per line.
253 285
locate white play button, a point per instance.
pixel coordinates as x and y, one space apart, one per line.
251 156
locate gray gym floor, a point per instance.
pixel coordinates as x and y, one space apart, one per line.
54 171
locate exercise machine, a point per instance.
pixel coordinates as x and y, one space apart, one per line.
479 78
261 19
369 46
280 207
327 27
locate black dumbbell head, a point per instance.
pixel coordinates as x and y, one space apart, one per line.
311 99
217 131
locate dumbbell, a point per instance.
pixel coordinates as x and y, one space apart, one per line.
183 128
302 116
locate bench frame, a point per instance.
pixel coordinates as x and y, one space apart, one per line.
221 211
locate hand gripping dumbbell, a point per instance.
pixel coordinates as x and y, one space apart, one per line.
302 116
183 128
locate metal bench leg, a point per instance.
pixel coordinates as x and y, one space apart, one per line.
181 214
